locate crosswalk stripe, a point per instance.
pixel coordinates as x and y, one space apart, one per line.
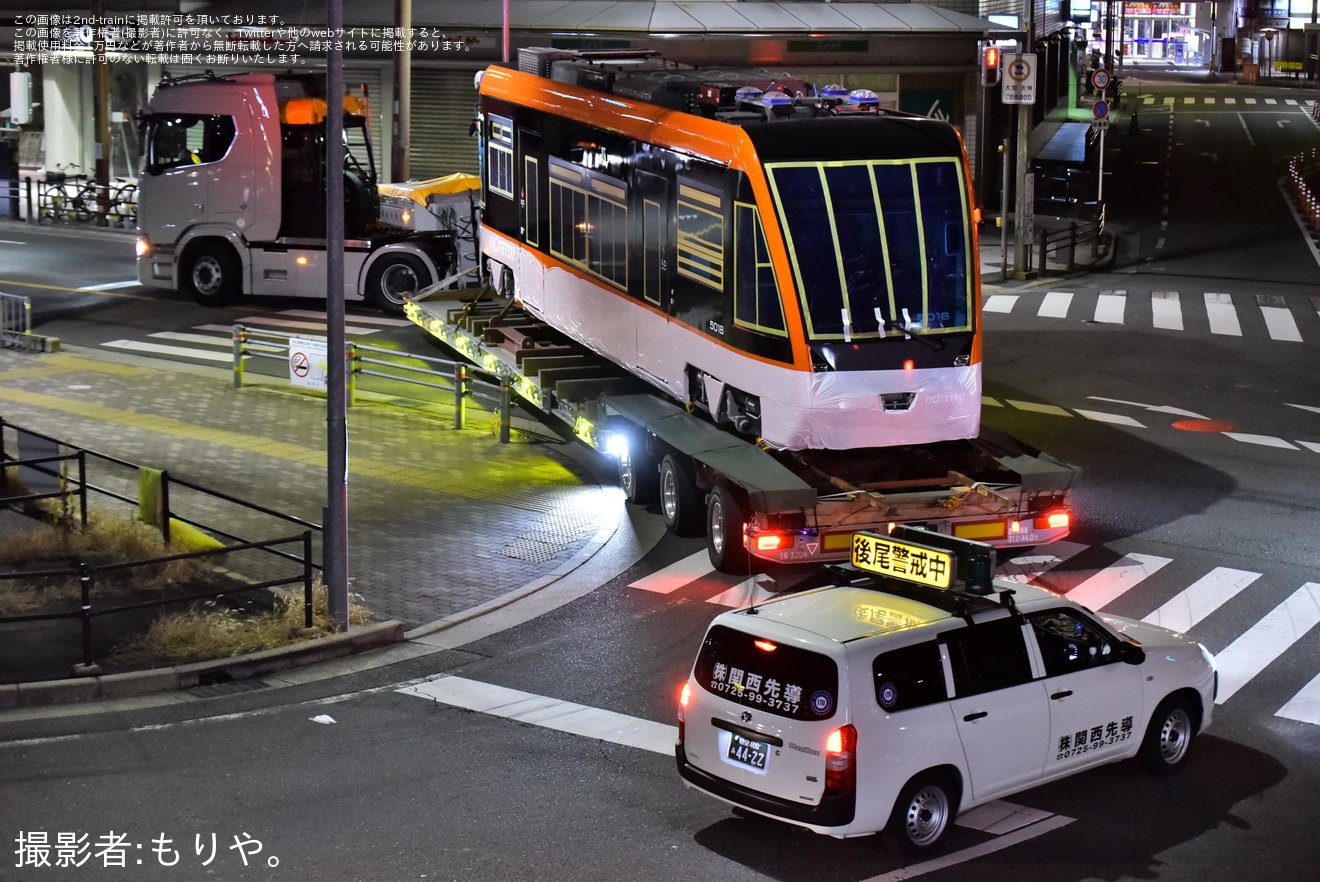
1223 319
1109 307
1024 568
1002 303
269 322
1279 322
162 349
548 713
205 340
1037 407
1115 580
1266 640
229 329
1189 100
745 593
1262 440
1251 100
1166 311
1055 304
676 575
358 319
1115 419
1201 598
1304 707
1230 101
1209 99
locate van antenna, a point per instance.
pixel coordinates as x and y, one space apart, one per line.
760 580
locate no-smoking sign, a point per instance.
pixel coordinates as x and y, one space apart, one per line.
307 362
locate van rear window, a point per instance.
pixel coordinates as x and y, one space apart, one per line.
785 680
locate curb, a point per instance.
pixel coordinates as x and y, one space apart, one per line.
193 674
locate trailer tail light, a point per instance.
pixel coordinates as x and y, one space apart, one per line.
841 759
1058 519
772 541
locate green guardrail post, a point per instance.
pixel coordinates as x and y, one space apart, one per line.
506 406
351 369
460 393
240 337
307 578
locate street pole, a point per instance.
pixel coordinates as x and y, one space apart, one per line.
1003 219
335 529
399 158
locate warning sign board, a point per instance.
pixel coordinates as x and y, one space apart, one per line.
1018 85
307 364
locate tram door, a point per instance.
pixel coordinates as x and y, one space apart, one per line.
531 214
653 233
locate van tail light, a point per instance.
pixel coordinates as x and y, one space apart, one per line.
841 759
684 696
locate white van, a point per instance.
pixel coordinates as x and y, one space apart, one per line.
912 686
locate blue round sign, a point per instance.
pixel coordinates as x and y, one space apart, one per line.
1101 110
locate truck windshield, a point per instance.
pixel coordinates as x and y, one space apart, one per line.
878 248
181 139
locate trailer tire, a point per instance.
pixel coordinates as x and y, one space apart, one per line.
211 274
725 515
680 502
394 276
639 473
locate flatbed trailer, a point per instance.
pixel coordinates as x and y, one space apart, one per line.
755 505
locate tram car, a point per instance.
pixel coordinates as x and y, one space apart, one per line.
794 261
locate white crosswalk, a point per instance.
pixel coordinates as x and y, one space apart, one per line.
1223 312
215 342
1213 101
1240 660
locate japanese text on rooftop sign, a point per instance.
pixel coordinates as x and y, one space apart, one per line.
902 560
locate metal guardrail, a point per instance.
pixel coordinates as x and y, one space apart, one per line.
1063 242
15 321
463 381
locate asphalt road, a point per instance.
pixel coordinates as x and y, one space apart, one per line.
384 774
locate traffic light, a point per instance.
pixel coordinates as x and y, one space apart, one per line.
990 66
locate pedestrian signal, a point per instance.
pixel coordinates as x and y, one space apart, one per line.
990 66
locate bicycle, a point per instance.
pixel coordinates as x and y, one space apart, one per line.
123 201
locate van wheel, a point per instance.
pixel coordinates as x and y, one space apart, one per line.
639 475
393 277
680 503
211 274
922 816
1169 736
725 514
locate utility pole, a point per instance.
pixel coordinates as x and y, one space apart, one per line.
399 159
1023 207
101 113
334 530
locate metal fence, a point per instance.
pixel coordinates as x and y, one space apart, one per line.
462 381
15 321
40 467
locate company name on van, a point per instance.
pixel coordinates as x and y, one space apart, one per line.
800 749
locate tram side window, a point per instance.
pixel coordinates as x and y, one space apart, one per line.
756 296
500 161
589 221
187 139
700 236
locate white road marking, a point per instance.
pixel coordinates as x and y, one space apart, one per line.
1001 303
1304 707
1113 581
1223 318
676 575
206 340
1027 567
257 325
1109 307
1037 407
1166 311
548 713
1114 418
1055 304
269 322
745 593
1280 324
160 349
359 319
1262 440
1266 640
1199 599
1008 840
110 286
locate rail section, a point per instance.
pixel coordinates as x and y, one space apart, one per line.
15 321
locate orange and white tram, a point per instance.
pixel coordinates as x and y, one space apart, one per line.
801 267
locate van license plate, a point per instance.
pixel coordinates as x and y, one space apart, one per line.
748 752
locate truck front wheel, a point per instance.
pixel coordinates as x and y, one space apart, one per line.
393 277
725 514
211 274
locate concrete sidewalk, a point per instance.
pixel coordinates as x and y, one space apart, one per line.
443 523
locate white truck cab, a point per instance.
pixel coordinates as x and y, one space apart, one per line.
911 686
232 196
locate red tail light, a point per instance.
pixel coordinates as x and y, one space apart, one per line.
684 696
771 541
841 759
1058 519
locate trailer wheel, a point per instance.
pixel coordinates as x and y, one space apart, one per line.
394 276
639 474
211 274
680 502
725 515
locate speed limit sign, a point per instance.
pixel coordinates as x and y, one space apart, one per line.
1100 79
